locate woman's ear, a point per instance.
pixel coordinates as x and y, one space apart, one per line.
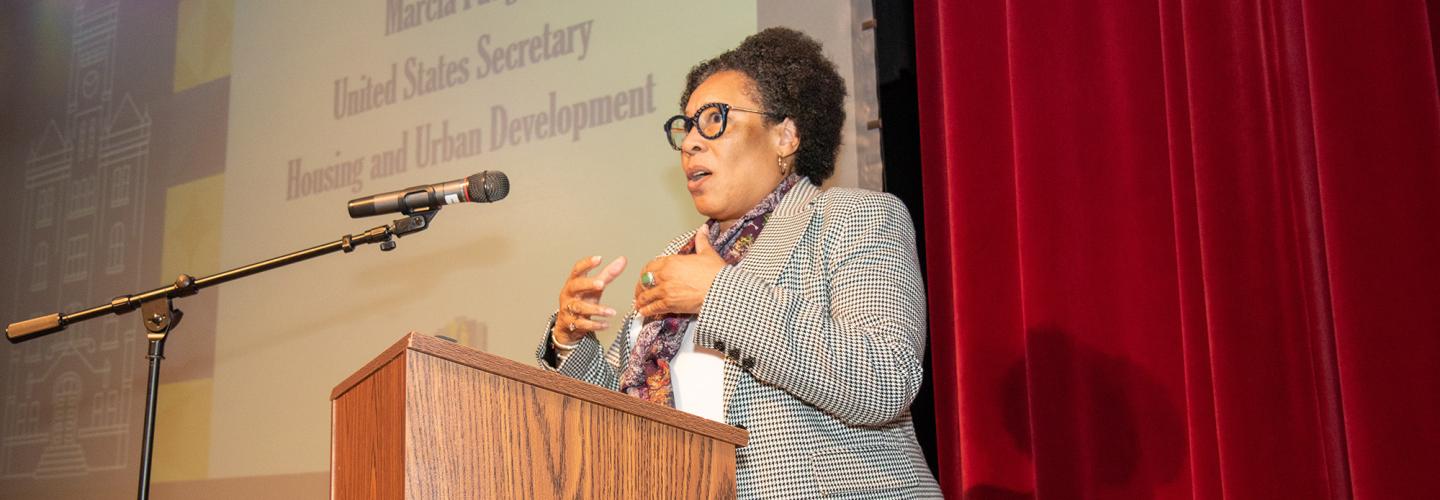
787 138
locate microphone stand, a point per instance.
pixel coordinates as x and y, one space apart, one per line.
158 312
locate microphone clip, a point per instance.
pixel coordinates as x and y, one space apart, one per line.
416 220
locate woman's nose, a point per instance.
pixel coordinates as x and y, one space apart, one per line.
693 141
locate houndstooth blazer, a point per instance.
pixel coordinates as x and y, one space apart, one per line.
823 327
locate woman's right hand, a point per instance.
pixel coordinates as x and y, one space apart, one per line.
580 300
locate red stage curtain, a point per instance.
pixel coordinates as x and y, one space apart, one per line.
1183 248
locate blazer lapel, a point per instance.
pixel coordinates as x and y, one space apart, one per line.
770 254
772 250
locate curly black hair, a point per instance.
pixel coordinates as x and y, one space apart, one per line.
793 79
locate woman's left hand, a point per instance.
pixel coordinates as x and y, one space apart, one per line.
681 281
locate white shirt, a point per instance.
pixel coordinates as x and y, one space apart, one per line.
697 376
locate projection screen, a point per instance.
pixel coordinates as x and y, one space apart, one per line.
142 140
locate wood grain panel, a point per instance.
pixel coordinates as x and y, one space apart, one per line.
475 434
432 419
367 448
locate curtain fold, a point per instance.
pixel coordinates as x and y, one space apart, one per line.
1182 248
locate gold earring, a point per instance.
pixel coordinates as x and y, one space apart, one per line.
780 161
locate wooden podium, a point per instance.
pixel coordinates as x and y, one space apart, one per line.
429 418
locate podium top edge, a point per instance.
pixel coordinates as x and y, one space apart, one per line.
384 358
547 380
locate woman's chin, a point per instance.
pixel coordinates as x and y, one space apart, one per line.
703 206
705 214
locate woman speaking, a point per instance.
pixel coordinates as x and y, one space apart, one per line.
796 313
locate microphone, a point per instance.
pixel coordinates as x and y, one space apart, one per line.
484 187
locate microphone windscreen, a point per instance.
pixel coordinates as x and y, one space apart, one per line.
488 186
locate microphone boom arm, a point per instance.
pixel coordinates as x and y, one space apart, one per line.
159 315
185 285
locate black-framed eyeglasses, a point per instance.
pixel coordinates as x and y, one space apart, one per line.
711 119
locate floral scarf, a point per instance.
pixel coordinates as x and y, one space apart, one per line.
647 373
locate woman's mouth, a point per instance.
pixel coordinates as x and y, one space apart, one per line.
695 177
